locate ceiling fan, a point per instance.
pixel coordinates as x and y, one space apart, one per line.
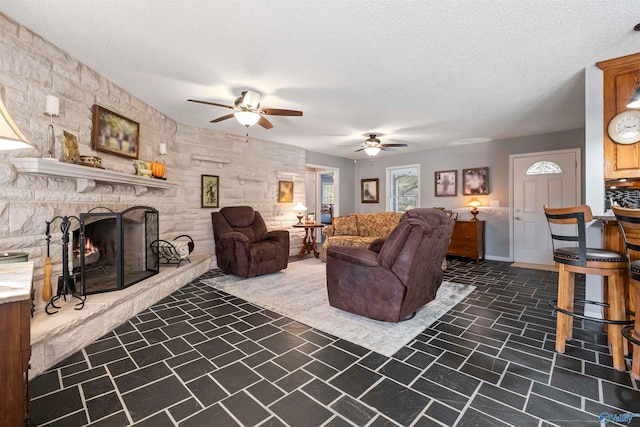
372 146
248 111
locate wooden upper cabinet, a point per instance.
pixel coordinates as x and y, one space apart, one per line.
621 77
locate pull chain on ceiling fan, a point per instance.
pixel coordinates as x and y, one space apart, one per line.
248 111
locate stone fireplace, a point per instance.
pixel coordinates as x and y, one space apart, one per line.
112 250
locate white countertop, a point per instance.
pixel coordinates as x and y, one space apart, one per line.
15 281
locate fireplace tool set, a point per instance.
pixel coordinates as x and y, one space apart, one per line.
66 283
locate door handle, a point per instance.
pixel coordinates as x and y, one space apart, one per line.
517 218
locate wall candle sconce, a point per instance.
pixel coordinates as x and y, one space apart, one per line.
52 110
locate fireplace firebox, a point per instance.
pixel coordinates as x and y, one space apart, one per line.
112 250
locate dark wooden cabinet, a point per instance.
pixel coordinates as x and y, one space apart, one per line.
467 240
15 324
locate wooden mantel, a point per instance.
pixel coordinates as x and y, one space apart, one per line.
85 176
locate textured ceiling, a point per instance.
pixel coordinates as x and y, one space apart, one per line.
425 72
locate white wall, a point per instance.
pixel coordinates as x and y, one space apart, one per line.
594 178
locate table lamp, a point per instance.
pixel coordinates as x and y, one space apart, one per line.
10 136
474 203
300 210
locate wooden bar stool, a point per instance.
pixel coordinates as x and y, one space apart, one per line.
569 225
629 223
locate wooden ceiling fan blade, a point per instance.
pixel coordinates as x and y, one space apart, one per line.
264 123
219 119
210 103
280 112
360 149
394 145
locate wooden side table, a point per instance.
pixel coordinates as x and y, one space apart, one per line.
309 239
467 240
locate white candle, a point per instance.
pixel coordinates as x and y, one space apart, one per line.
163 148
53 105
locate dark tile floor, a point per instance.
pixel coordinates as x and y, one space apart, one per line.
202 357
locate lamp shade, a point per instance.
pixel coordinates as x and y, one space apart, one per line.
372 151
10 136
52 106
634 102
299 207
474 203
247 118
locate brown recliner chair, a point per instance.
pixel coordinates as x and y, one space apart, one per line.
391 279
244 246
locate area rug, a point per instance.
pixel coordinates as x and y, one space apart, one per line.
300 293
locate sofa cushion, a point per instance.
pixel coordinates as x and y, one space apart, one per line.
345 226
379 224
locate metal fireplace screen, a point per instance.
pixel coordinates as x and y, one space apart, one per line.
114 251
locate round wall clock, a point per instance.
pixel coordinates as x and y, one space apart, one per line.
624 128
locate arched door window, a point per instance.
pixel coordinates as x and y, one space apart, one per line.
543 168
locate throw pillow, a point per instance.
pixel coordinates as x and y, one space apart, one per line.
345 226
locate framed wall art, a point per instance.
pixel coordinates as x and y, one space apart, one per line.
446 183
369 189
115 134
70 148
475 181
285 192
210 191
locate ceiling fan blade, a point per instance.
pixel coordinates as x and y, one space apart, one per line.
219 119
394 145
279 112
265 123
210 103
360 149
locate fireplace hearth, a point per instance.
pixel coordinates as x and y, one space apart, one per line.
112 250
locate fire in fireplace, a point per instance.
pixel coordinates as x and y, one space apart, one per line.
114 251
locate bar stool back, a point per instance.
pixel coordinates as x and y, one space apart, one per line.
629 223
569 225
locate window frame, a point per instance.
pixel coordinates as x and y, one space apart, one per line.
388 186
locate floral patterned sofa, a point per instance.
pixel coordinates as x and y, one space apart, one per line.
358 230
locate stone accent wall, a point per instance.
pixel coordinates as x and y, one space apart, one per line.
31 68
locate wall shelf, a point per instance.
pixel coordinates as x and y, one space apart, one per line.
243 179
200 158
85 176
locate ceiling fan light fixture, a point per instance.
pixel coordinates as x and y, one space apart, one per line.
247 118
251 99
372 151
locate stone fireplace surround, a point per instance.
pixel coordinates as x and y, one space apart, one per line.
57 336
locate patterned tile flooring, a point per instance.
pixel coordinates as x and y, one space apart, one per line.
201 357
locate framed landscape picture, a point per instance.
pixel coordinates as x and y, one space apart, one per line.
369 190
446 183
285 192
475 181
210 191
115 134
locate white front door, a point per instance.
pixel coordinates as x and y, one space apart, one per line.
540 179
